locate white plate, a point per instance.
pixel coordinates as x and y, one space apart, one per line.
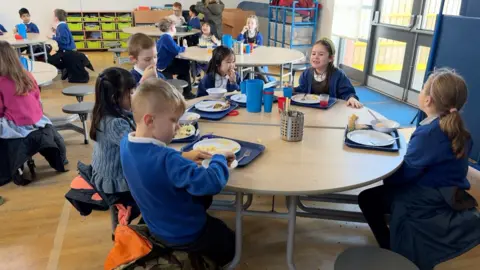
206 163
309 99
240 98
187 131
207 106
189 118
370 138
213 146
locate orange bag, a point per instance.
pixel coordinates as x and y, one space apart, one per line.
129 247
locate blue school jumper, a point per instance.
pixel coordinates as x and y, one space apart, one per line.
137 76
257 39
2 29
195 23
32 28
167 50
208 81
165 186
64 38
339 85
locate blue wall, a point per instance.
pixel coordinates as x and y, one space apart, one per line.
458 49
470 8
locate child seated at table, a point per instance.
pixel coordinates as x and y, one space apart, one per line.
208 38
62 36
324 78
167 61
220 72
143 54
194 21
25 16
172 191
177 17
433 218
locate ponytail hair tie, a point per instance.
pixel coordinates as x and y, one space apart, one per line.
453 110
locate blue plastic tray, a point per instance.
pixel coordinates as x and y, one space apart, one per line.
191 138
257 149
244 105
204 47
390 148
331 102
214 115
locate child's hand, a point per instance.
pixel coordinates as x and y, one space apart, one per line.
50 36
150 72
230 156
245 29
354 103
196 156
214 39
185 44
232 76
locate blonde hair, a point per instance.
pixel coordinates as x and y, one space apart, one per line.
165 24
255 18
138 42
449 93
156 95
11 68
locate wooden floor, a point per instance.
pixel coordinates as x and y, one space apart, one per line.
40 230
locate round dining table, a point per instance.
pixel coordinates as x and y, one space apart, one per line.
43 73
283 58
319 164
153 31
31 40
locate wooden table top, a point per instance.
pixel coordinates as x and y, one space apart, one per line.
335 117
31 39
261 56
43 72
319 164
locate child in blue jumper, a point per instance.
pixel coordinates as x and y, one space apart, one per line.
62 36
172 191
433 219
167 51
143 54
220 72
25 16
324 78
250 33
194 21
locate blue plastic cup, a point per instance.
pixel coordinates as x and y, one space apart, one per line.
268 100
254 96
26 63
22 30
288 92
227 41
243 87
247 49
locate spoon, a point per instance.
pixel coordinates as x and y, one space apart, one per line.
374 116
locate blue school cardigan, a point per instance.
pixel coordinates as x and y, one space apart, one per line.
258 38
167 50
339 85
2 29
209 82
32 28
64 38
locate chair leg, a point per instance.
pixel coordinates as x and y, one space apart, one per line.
83 118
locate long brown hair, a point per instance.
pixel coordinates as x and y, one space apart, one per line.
11 68
328 44
449 93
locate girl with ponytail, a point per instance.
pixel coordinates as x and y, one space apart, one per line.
324 78
433 218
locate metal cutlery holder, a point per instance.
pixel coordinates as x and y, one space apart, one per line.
291 126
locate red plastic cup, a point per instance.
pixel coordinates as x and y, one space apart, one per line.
251 47
324 100
281 104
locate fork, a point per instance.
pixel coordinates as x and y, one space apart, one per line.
246 154
304 97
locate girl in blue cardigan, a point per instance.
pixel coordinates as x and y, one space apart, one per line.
220 72
433 218
250 33
324 78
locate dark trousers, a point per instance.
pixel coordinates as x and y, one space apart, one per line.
56 60
181 68
217 241
375 204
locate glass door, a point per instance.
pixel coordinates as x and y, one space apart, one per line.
401 36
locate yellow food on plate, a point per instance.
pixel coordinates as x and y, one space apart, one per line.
209 149
185 131
351 122
380 125
312 97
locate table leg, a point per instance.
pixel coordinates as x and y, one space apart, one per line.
45 51
252 73
32 53
290 78
281 75
238 231
292 216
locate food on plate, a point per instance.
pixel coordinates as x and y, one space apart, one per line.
221 106
351 122
185 131
208 149
380 124
312 97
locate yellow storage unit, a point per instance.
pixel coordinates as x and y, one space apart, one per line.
108 26
123 36
121 26
94 44
80 45
109 35
78 37
75 26
92 27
